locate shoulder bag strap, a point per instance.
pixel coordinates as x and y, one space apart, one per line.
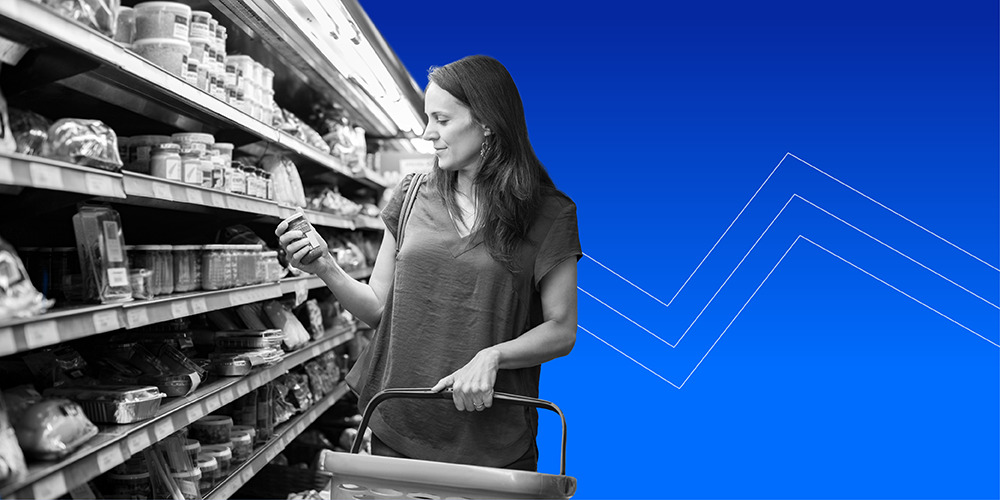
404 213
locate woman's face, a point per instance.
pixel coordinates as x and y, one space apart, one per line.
456 136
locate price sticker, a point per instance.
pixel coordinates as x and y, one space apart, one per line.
243 388
46 176
194 196
52 486
227 397
198 305
109 458
99 185
137 317
218 200
255 380
6 171
212 403
138 442
162 191
105 321
179 309
194 412
163 429
39 334
246 475
7 344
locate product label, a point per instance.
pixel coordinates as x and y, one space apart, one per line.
137 317
98 184
231 79
199 30
198 305
179 309
192 172
109 458
173 167
163 429
117 277
162 191
136 443
113 244
105 321
192 75
181 28
194 195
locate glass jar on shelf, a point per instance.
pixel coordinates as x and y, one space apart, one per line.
165 261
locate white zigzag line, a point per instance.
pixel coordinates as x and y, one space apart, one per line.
758 289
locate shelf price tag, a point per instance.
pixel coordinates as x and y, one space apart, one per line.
40 334
179 309
242 388
194 412
138 442
218 200
46 176
106 321
212 403
198 305
246 475
137 317
162 191
7 344
52 486
163 429
109 458
226 397
98 185
194 196
6 171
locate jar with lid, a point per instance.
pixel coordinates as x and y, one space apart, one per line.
242 446
146 257
129 485
165 262
210 473
205 168
269 185
189 482
222 453
213 267
237 183
192 167
165 161
182 256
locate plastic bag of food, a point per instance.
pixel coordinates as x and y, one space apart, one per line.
18 297
84 142
285 177
53 428
101 247
99 14
7 143
279 316
12 466
31 130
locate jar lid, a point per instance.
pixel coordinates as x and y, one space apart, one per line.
162 5
249 429
167 146
224 145
207 462
192 444
218 451
213 421
194 137
241 436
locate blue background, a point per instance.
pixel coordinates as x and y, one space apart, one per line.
661 120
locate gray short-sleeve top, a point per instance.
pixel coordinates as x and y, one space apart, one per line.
449 300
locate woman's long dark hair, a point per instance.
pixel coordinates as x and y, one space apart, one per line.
511 180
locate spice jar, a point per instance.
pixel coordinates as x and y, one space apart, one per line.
192 167
165 161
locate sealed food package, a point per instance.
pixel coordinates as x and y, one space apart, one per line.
310 314
279 316
31 130
101 15
53 428
18 296
101 247
7 143
286 180
113 404
12 465
84 142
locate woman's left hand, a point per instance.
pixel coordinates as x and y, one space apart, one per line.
472 384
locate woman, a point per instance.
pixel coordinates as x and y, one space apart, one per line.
482 290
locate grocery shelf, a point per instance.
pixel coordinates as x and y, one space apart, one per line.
124 79
155 191
115 444
61 325
301 285
42 173
366 222
143 312
282 437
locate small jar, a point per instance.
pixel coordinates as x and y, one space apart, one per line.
242 446
210 473
142 283
205 167
237 183
182 268
192 447
223 455
189 482
147 257
213 267
165 161
269 184
192 167
166 266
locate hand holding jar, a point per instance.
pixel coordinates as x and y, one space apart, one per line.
303 245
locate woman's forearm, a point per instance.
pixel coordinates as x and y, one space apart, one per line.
545 342
358 298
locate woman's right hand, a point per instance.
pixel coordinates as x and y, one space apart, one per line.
300 253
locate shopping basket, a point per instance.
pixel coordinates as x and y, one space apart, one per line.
367 477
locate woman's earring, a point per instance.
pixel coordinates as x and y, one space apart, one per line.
482 149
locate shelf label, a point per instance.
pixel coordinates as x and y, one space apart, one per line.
194 413
162 191
179 309
46 176
137 317
227 397
99 185
212 403
194 196
6 171
52 486
256 380
106 321
242 388
39 334
163 429
109 458
246 475
198 305
7 344
218 200
138 442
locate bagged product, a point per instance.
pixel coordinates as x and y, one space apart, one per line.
101 247
12 466
101 15
287 182
7 143
84 142
31 131
53 428
310 314
279 316
18 297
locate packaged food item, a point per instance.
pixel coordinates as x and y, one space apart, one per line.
140 151
170 54
142 283
101 248
137 485
189 483
18 297
211 475
53 428
191 73
84 142
249 340
12 464
279 316
203 52
165 161
113 404
194 141
242 446
165 267
101 15
162 20
287 183
192 167
212 429
317 245
265 413
200 21
125 31
222 453
30 131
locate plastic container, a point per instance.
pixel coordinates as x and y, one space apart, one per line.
191 160
194 141
246 428
130 485
213 267
212 429
183 257
200 22
165 263
225 149
223 455
165 161
162 20
236 181
142 283
267 80
189 483
113 404
125 32
200 50
245 340
191 74
170 54
210 473
236 365
193 448
242 446
140 150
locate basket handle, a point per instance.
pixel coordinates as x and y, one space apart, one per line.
498 397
